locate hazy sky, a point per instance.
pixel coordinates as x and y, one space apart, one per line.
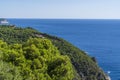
81 9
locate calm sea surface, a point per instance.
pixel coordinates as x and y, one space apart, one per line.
99 38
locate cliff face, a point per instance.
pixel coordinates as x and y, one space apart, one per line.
85 67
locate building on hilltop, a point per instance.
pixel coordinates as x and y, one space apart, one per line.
3 22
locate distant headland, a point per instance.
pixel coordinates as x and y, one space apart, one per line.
3 21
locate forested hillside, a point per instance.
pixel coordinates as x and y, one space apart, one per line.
32 55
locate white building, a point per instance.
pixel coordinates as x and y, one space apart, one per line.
3 22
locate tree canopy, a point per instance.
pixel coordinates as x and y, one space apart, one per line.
36 59
34 53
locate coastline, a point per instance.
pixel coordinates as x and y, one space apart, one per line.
107 77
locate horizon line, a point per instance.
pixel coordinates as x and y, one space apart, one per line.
68 18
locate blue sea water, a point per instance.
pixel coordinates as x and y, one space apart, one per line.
99 38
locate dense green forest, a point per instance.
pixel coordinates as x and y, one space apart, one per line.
27 54
37 59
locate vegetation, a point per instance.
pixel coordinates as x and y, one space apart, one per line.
37 59
85 65
34 57
9 72
11 34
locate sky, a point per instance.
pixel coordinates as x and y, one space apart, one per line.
63 9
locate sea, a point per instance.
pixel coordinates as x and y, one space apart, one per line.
99 38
